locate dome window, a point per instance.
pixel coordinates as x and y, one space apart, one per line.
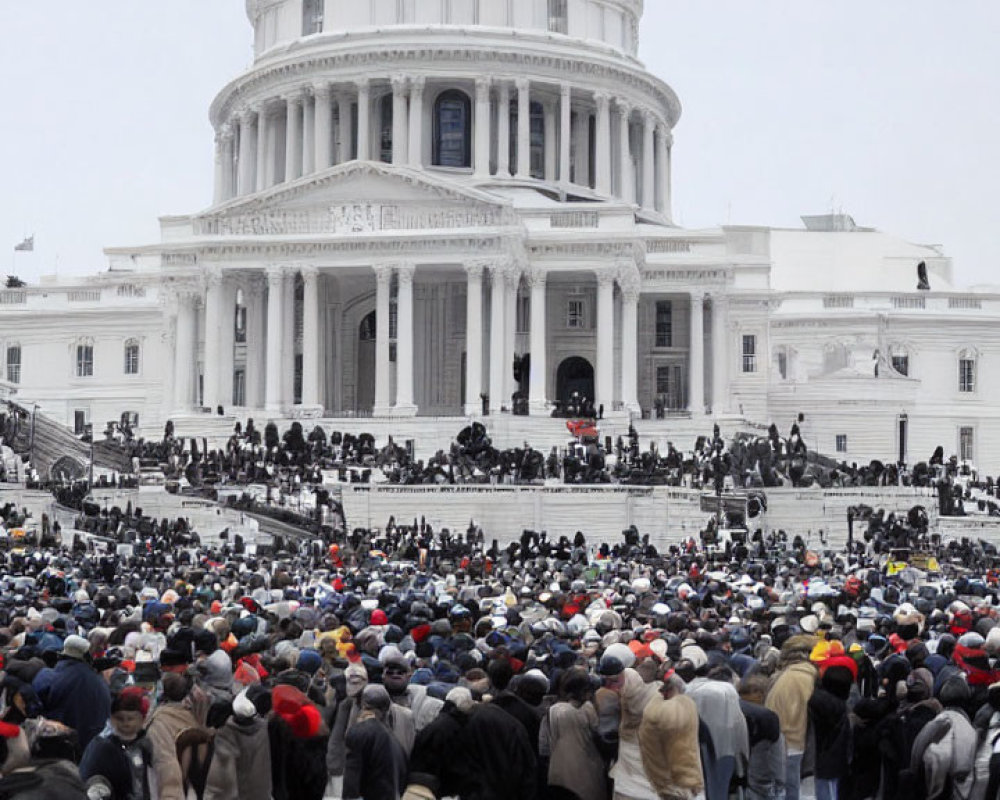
453 130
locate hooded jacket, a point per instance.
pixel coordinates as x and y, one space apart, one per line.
668 740
241 763
166 722
789 699
73 694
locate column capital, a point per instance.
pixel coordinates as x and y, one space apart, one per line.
399 85
246 115
275 273
605 276
363 84
417 84
212 276
309 272
476 268
226 132
483 83
603 99
666 136
625 108
294 97
648 116
536 277
523 84
322 90
698 295
383 272
405 270
566 91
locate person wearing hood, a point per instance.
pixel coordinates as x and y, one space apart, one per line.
668 741
73 693
298 740
944 752
121 755
241 761
718 705
828 715
766 767
631 782
376 765
789 699
576 769
184 706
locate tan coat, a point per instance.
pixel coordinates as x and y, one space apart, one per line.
789 699
567 737
167 721
668 739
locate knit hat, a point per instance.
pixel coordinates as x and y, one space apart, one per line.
131 698
301 716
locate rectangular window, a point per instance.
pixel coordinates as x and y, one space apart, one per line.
14 364
241 324
574 314
84 360
966 375
966 443
132 359
749 353
79 422
393 319
663 382
239 387
664 323
558 22
841 442
669 389
783 364
901 364
312 16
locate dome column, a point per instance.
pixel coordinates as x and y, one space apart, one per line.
474 338
626 187
603 143
364 120
220 170
482 127
228 164
293 137
248 151
523 128
323 136
503 130
346 130
288 341
565 133
417 121
648 160
383 285
666 140
308 134
260 173
399 121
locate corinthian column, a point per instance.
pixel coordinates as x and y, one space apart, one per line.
398 120
275 325
648 155
404 405
213 336
474 338
383 284
308 134
220 175
253 294
626 185
364 121
498 291
538 403
523 128
263 144
503 130
602 147
666 201
185 357
324 126
696 370
628 280
604 385
417 121
565 132
228 159
248 151
293 137
482 127
310 337
720 355
346 130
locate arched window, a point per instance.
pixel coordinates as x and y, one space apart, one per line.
836 356
132 357
967 376
536 138
385 128
13 363
452 130
899 359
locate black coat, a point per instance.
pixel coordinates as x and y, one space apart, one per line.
124 765
828 715
376 763
298 766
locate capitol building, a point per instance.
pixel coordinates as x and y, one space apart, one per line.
447 209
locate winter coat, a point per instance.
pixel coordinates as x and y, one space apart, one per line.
166 722
832 728
567 738
789 699
241 763
944 756
766 768
433 763
298 765
399 721
73 694
668 740
376 763
127 766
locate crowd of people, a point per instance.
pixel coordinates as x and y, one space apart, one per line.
409 663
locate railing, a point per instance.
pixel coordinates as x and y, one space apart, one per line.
84 296
131 290
965 302
838 301
575 219
13 297
668 246
905 302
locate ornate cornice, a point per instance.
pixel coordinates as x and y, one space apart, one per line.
542 68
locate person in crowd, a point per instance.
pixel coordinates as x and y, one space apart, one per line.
576 769
183 707
766 766
121 755
789 699
376 767
668 741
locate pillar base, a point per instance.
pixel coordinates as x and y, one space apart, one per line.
473 409
634 409
274 409
382 411
539 408
403 410
306 412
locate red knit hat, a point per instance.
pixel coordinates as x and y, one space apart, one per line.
295 709
846 662
379 617
420 632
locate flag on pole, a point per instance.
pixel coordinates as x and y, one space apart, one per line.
27 246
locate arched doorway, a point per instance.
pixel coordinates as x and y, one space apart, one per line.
364 393
575 374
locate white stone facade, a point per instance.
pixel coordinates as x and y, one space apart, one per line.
411 196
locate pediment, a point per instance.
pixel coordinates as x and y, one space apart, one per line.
354 198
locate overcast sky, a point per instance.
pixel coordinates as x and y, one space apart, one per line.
887 110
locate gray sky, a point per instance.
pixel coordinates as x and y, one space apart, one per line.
888 110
